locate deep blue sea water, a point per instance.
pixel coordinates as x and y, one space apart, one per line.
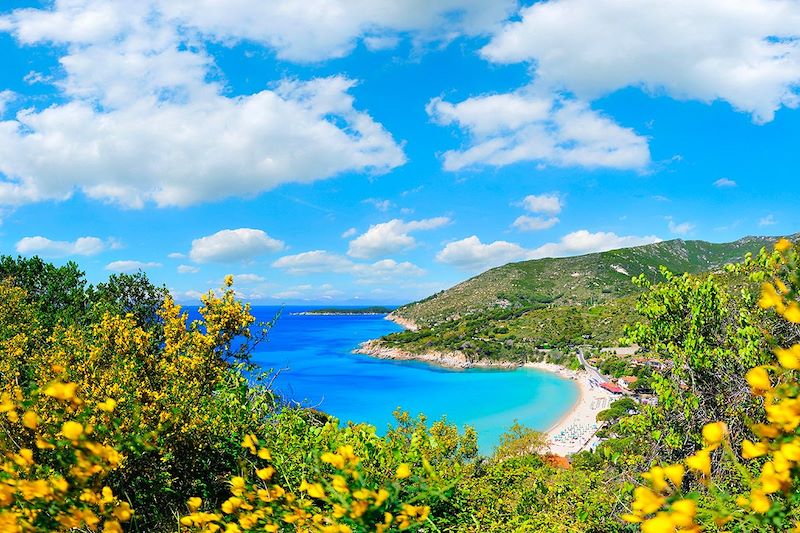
319 370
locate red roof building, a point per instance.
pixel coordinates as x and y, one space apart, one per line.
610 387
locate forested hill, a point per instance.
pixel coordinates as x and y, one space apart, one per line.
581 280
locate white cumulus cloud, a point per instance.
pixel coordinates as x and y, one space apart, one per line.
584 242
144 118
391 237
386 271
679 228
529 223
232 245
248 278
131 265
319 261
768 220
549 204
746 53
532 126
331 28
724 182
314 261
5 97
187 269
45 247
473 255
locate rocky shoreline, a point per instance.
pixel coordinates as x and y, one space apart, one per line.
404 322
453 360
343 313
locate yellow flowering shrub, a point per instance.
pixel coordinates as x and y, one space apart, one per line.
103 416
180 397
54 466
341 502
768 466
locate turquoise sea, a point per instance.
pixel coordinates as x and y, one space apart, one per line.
319 370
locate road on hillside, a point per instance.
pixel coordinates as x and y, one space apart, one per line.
592 371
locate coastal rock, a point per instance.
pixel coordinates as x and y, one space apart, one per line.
404 322
454 359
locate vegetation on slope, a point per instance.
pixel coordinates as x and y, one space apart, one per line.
582 280
507 313
518 335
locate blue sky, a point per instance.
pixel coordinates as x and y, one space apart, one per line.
380 151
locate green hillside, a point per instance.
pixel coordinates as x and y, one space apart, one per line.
567 281
510 312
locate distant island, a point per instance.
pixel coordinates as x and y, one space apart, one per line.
335 311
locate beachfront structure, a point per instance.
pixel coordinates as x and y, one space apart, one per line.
610 387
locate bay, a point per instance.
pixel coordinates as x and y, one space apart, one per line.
318 369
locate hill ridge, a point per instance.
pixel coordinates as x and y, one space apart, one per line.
586 279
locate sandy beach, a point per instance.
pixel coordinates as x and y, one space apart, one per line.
574 431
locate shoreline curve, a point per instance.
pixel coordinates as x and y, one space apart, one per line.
579 420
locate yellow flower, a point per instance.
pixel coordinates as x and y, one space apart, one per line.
381 497
714 433
108 406
72 430
25 457
758 379
661 523
700 461
60 484
772 480
237 485
333 459
30 420
250 442
264 454
314 490
791 450
112 526
683 512
783 245
675 474
770 297
403 471
656 478
792 313
348 454
61 391
231 505
194 504
339 484
789 358
759 502
646 501
123 512
751 451
265 473
228 280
